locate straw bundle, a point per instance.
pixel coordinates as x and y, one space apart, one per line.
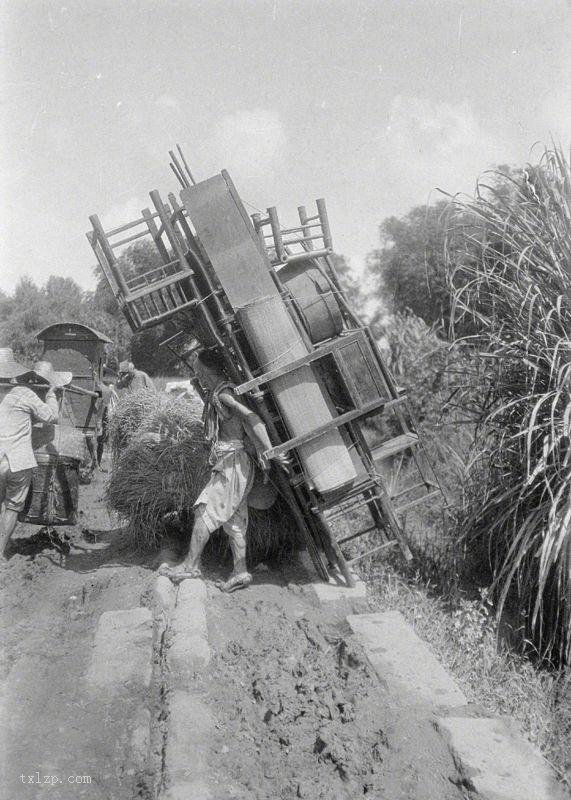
147 410
161 465
154 476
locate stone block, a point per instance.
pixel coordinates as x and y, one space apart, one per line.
122 651
497 762
164 595
140 736
335 592
190 725
195 790
404 662
189 652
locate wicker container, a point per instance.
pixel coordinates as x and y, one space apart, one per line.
53 494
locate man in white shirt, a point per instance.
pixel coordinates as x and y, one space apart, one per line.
20 407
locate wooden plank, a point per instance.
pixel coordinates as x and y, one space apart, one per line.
384 546
394 446
163 212
232 247
356 535
152 321
153 287
126 227
318 353
336 422
154 231
128 239
417 502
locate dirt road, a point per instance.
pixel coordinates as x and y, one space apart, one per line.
51 602
298 712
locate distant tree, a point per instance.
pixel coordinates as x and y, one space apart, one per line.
32 308
5 305
27 314
408 271
63 296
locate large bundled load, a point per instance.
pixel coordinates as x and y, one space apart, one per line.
160 465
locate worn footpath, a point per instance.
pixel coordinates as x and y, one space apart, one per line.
118 685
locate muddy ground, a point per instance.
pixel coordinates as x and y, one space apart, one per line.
53 591
298 712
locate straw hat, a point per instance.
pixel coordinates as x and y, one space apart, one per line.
45 370
9 367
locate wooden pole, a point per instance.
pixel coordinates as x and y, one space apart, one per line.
190 175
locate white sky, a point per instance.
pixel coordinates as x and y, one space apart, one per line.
368 103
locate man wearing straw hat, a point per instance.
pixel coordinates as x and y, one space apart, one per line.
19 408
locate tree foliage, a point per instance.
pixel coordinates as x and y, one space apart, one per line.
408 271
31 308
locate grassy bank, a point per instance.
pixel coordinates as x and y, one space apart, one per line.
463 635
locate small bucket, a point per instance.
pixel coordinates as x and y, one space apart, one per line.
53 494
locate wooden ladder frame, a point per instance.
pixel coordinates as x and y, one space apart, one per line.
205 302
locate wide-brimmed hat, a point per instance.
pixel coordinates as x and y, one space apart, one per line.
9 367
126 366
45 370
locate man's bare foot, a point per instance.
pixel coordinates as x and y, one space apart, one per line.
180 573
240 581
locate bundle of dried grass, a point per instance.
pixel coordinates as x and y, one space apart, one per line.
147 410
155 475
160 465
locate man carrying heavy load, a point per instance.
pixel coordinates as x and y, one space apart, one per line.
238 439
132 379
19 408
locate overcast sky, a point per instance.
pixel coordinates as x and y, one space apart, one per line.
370 104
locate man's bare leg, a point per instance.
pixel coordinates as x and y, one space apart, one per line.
8 521
92 453
240 577
190 568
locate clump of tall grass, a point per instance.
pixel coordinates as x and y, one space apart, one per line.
510 270
463 634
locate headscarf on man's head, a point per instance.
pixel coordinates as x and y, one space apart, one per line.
126 367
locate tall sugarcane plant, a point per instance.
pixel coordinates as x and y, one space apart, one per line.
509 257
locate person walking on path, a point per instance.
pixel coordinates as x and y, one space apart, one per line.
108 404
20 406
238 439
131 379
